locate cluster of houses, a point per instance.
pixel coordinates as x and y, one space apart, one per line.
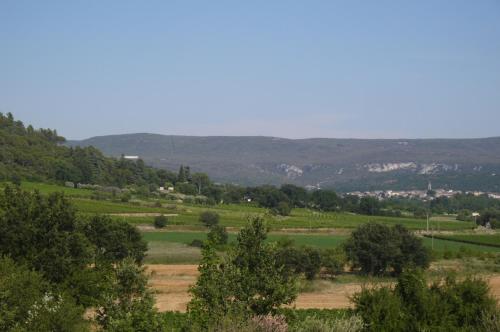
420 194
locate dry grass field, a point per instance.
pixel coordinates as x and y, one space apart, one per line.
171 284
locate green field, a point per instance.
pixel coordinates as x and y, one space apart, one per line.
446 245
45 188
89 206
234 215
320 241
237 216
177 250
481 239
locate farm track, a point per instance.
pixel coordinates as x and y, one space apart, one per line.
283 231
142 214
172 282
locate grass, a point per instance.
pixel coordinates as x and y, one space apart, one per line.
45 188
161 244
452 246
161 252
481 239
235 215
89 206
319 241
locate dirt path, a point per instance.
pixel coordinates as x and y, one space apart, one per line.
172 282
143 214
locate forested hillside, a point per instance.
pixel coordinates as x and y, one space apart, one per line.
341 164
38 155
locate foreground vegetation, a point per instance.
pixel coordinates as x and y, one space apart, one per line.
57 264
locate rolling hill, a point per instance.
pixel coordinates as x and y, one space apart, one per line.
343 164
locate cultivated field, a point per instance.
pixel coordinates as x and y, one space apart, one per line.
232 215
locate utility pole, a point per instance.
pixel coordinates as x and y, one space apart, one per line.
432 238
427 221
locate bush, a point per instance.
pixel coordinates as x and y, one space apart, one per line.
197 243
283 209
209 218
412 305
125 197
352 323
464 215
491 322
160 221
268 323
333 261
311 262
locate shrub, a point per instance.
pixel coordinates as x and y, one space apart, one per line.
283 209
269 323
125 197
352 323
311 262
313 324
333 261
209 218
491 322
160 221
412 305
196 243
308 260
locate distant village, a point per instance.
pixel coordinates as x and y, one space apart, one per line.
420 194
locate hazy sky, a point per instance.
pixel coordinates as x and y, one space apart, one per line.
365 69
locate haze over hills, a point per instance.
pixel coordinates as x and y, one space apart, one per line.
343 164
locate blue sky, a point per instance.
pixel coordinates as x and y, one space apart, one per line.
366 69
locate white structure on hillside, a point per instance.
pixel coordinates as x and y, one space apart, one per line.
131 157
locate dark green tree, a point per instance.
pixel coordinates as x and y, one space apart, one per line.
42 232
250 280
376 249
113 240
218 235
325 200
129 305
201 181
181 176
369 206
297 196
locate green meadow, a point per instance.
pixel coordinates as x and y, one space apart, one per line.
177 250
480 239
233 215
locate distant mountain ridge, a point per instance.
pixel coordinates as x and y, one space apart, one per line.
343 164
